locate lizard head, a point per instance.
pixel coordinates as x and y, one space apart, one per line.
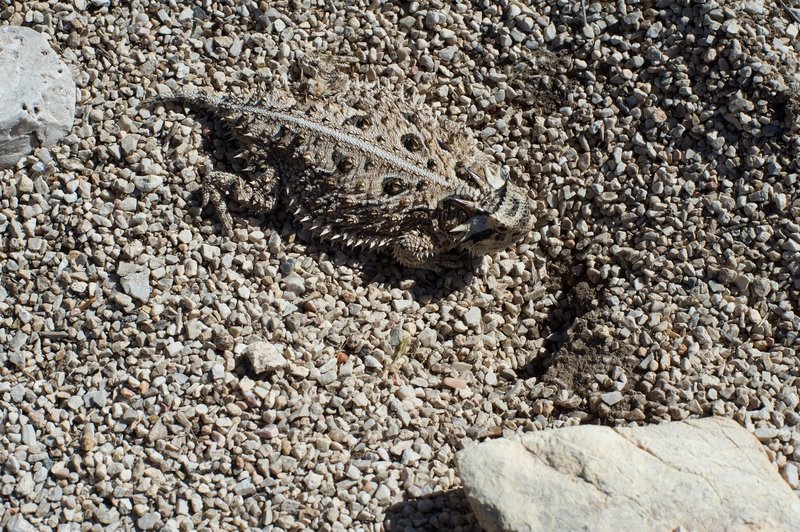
499 215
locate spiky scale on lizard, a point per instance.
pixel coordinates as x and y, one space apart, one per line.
358 169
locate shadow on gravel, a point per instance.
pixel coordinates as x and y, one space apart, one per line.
427 285
578 350
578 298
443 510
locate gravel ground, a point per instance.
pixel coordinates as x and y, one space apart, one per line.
663 280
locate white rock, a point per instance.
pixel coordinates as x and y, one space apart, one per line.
765 434
37 95
755 7
705 474
245 488
217 371
19 524
157 432
173 348
791 475
611 398
59 471
313 480
382 493
372 362
137 285
148 183
427 337
295 284
128 143
360 399
264 356
550 33
149 520
28 435
448 53
270 432
473 317
353 473
25 485
401 305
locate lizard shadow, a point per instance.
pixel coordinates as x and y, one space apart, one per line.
575 298
376 269
425 285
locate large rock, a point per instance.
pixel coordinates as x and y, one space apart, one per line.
37 94
704 474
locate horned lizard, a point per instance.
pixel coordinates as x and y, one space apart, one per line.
362 169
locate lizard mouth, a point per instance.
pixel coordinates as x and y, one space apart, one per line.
489 216
479 236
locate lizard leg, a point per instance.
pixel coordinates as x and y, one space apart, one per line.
321 76
221 187
417 250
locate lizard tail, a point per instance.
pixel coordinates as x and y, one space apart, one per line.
195 98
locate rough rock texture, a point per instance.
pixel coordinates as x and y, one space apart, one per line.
704 474
37 94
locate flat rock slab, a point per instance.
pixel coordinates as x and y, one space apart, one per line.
37 94
703 474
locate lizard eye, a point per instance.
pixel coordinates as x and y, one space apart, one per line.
411 142
393 186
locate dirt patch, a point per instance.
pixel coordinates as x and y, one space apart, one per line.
582 356
582 344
